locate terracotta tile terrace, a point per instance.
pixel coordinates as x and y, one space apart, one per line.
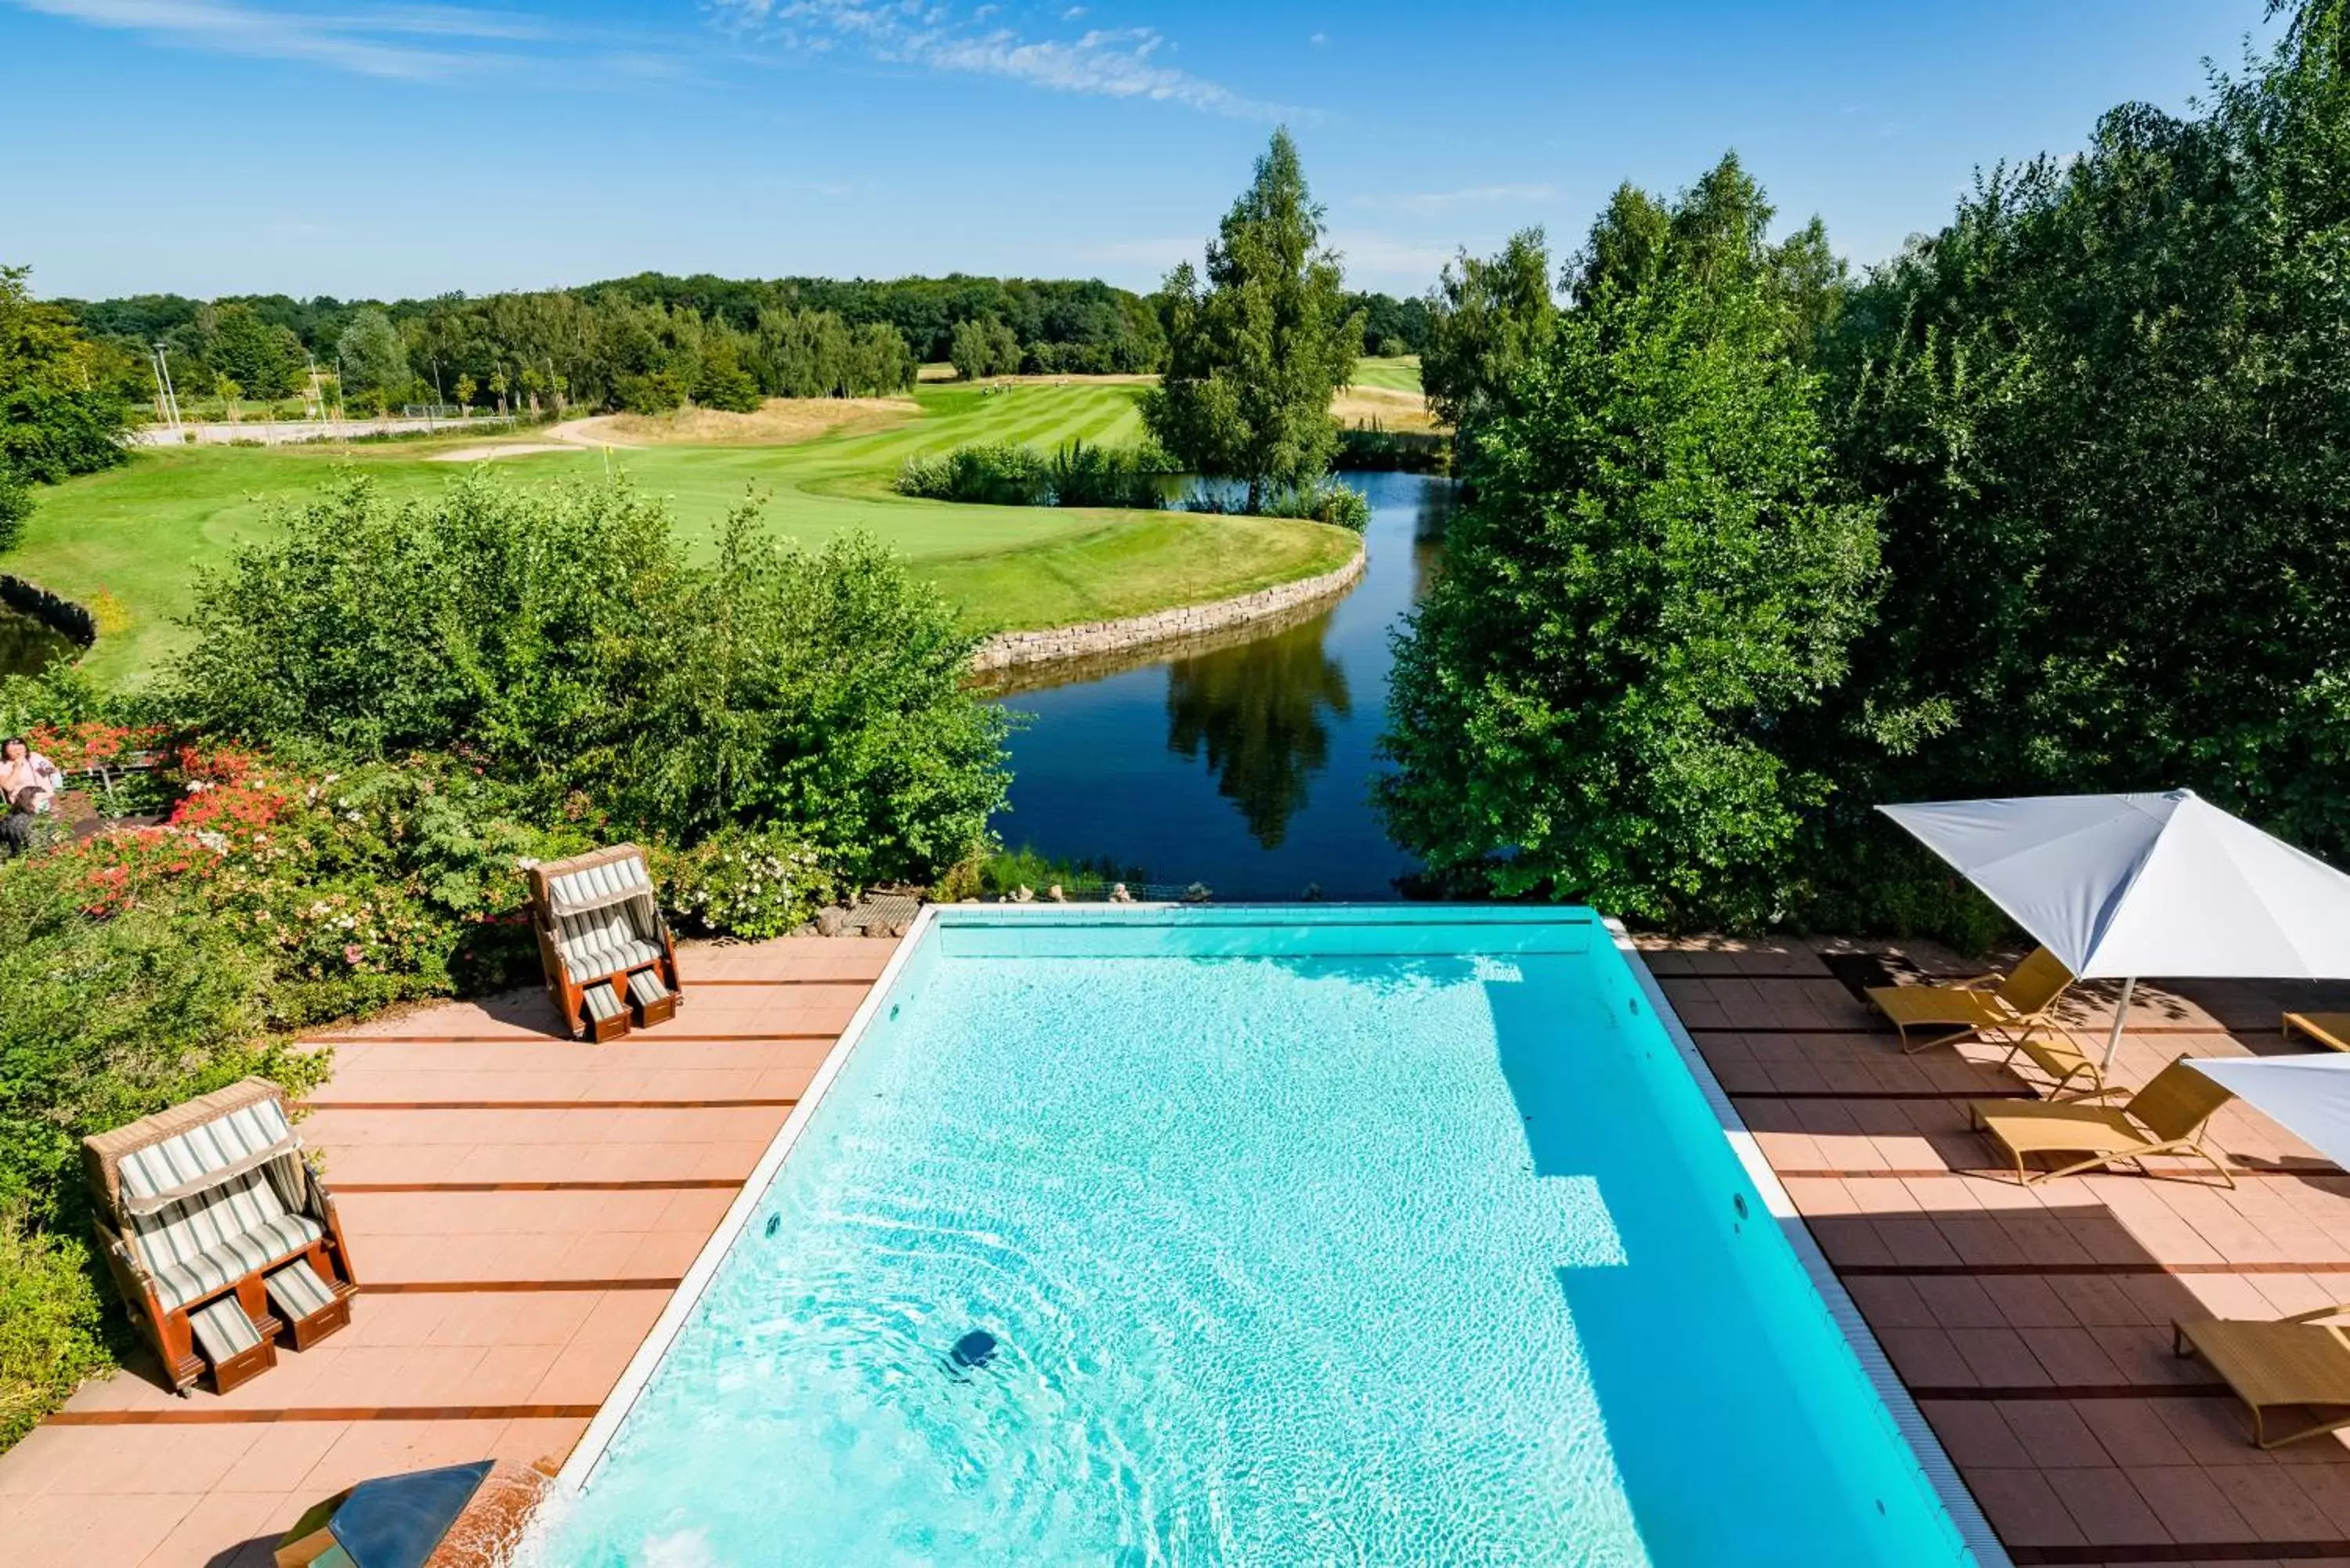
520 1208
2032 1325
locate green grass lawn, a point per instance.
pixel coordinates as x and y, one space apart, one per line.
129 543
1400 374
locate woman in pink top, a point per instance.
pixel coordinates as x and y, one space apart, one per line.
22 768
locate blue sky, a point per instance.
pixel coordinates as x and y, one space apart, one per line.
353 147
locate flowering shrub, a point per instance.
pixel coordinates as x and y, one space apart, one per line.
91 742
391 882
131 865
241 814
208 764
343 949
752 883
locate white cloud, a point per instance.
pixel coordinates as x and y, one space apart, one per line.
1430 203
1121 62
362 41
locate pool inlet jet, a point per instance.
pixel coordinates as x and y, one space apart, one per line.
970 1352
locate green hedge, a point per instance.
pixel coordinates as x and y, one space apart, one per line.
1005 473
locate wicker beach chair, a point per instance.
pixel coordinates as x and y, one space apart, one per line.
2008 1012
606 949
218 1233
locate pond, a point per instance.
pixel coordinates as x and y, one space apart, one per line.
1244 762
28 644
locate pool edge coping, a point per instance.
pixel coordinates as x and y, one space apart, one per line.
1958 1500
588 1452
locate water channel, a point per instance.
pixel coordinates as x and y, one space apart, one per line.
1245 761
28 644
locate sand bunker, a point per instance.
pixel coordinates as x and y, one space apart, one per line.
1384 406
780 421
487 452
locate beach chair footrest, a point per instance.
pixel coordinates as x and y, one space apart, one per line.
654 1002
607 1018
311 1308
230 1344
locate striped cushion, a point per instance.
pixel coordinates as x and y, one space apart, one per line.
602 1003
223 1330
646 987
297 1290
200 1244
598 885
216 1270
605 941
224 1144
179 1231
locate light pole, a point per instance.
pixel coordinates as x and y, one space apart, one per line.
171 397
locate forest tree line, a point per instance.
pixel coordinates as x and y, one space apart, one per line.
649 342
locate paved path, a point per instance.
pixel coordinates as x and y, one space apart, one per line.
2032 1324
519 1207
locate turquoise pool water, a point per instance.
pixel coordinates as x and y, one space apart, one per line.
1390 1236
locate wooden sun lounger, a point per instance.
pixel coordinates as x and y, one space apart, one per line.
2331 1030
2060 1056
2298 1366
2009 1011
2167 1117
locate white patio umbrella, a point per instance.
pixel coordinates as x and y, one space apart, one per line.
2309 1097
2119 885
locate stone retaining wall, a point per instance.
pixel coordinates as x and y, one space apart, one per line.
1012 648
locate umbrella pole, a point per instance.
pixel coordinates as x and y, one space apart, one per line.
2113 1040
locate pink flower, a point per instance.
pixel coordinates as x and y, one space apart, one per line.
353 952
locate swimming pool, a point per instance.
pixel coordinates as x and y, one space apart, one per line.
1393 1234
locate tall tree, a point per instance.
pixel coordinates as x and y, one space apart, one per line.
1487 320
264 359
1255 356
1626 246
983 346
374 361
61 406
1656 569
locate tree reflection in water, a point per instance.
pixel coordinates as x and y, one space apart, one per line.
1259 710
27 645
